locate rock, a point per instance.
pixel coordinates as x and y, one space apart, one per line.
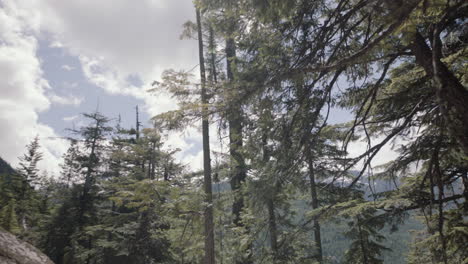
15 251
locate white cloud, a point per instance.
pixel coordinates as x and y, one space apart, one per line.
113 40
55 44
191 154
70 118
61 100
68 67
386 153
23 89
194 161
130 37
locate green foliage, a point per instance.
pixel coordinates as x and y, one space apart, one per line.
28 163
289 193
10 186
112 203
8 217
363 230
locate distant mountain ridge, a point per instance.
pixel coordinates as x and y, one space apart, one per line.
5 167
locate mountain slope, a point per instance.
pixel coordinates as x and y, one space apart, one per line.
5 167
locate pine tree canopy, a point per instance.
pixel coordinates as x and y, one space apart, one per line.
330 131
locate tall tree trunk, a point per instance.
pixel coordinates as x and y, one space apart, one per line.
440 191
271 205
89 179
315 205
209 225
234 117
212 47
213 78
272 228
362 243
137 124
137 138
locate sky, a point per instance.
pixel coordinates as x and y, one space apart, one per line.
59 59
62 58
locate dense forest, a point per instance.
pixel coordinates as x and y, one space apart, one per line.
284 188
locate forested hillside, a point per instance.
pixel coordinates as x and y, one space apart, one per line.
5 168
281 181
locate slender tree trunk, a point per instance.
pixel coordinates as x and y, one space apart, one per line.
234 117
315 205
88 178
362 243
212 47
86 199
271 206
238 172
272 228
440 189
465 186
209 225
213 82
137 124
151 161
137 138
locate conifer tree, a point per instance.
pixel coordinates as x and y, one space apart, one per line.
275 71
8 217
71 168
366 247
208 215
29 173
28 163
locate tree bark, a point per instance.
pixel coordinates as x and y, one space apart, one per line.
235 122
89 179
315 205
208 214
451 94
272 228
271 205
362 243
234 116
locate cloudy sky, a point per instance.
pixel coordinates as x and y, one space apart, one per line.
60 58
